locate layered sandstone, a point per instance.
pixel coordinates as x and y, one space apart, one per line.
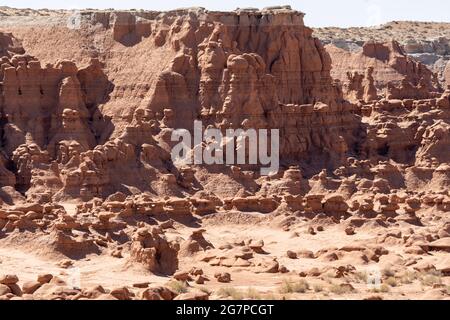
246 69
427 42
383 66
86 173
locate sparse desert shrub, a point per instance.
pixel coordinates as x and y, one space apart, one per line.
341 289
253 294
230 292
431 278
361 276
408 277
318 287
178 286
384 288
291 286
391 281
205 290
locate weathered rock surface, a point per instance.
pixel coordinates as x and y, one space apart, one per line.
427 42
384 67
87 114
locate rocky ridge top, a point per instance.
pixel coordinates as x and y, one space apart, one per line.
428 42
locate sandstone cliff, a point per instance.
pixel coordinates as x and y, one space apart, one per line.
427 42
78 125
89 101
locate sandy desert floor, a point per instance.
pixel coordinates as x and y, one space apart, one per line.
327 265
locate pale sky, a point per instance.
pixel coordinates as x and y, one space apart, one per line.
319 13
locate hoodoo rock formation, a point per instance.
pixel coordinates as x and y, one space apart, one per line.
86 171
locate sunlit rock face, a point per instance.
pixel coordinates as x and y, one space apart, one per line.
90 102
